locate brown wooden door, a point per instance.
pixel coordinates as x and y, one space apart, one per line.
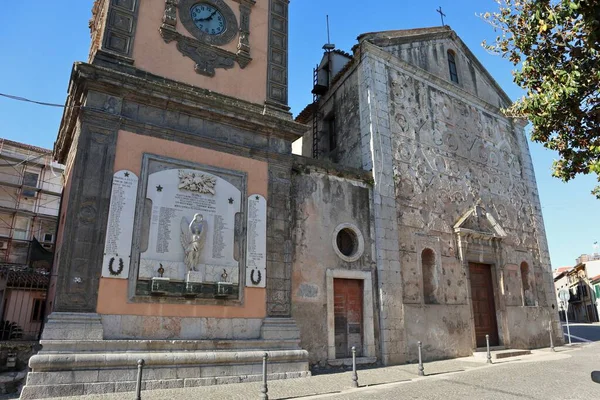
484 311
348 307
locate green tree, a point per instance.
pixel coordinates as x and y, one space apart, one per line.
555 47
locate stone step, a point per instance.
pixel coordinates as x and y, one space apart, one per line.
499 354
57 371
78 346
37 390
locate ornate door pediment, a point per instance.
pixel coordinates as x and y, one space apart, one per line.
477 223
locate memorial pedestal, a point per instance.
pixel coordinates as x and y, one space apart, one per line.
73 326
71 365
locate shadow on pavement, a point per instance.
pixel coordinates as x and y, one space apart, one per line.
310 395
445 372
384 383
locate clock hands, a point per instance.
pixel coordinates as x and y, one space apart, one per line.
207 18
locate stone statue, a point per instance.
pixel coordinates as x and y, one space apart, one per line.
192 240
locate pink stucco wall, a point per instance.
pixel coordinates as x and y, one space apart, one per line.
152 54
112 296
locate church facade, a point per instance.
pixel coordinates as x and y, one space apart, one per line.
459 243
190 236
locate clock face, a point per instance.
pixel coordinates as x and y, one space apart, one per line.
208 19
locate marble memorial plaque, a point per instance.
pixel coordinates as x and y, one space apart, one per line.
256 242
119 230
192 227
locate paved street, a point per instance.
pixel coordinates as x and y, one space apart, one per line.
583 332
562 377
542 375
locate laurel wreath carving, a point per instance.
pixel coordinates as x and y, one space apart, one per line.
255 281
119 270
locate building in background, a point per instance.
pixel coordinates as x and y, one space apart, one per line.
561 282
588 257
30 190
582 304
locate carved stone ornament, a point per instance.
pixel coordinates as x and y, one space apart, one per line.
244 42
231 26
192 240
195 182
202 48
170 16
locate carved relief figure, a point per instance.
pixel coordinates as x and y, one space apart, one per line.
197 182
192 240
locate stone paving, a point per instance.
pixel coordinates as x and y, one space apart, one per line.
331 384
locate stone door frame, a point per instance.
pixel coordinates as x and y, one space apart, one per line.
495 308
369 349
484 251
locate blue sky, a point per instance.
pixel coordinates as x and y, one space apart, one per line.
39 41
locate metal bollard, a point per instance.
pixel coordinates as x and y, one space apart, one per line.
489 354
421 369
354 374
138 386
551 340
264 390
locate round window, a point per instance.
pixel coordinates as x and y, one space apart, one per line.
348 242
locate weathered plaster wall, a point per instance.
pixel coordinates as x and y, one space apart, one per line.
444 331
431 56
321 203
377 156
450 152
341 102
529 327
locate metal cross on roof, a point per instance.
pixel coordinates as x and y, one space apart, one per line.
441 15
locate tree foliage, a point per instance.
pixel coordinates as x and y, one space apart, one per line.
555 47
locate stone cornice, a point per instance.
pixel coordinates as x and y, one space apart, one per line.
100 118
139 86
306 165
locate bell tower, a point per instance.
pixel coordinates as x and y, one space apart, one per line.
175 220
234 47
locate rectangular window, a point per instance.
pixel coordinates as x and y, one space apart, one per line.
21 231
38 310
48 237
30 179
597 289
452 67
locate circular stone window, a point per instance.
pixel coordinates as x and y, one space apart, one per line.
348 242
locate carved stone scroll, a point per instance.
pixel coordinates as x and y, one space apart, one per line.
207 57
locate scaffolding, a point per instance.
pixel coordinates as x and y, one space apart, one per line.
30 189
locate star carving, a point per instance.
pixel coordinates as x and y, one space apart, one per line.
126 174
159 188
231 200
257 198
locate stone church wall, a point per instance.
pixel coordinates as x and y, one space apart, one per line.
450 153
324 202
341 103
431 56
